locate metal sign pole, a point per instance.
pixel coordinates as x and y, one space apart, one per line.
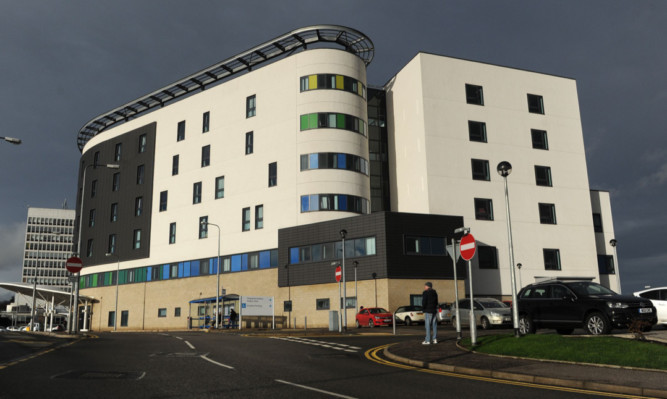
473 321
457 316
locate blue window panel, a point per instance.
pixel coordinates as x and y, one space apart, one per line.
304 203
194 268
342 202
213 266
186 269
264 259
165 272
294 255
180 269
313 161
149 273
236 263
274 258
314 202
244 262
341 161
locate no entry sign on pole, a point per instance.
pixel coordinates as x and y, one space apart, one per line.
74 264
467 246
339 274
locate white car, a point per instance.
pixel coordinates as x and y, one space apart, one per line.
658 297
409 315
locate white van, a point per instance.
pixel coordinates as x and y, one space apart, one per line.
658 297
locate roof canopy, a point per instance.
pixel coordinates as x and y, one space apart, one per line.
43 293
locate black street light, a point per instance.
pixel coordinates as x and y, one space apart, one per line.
504 169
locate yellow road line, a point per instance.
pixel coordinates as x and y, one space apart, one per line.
34 355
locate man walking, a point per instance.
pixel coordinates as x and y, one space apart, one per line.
430 304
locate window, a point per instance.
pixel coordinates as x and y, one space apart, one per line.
112 244
329 120
477 131
89 248
250 106
93 189
124 316
115 185
245 215
196 193
474 94
480 170
177 311
162 312
220 187
273 174
140 174
539 138
180 131
206 118
163 201
96 159
543 176
172 233
174 165
597 223
322 304
259 217
112 319
487 257
248 143
483 209
331 81
424 246
334 202
205 156
551 259
142 143
203 227
137 239
114 212
535 104
334 160
138 206
547 213
606 264
117 152
91 218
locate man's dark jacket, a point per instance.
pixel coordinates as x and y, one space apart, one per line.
430 301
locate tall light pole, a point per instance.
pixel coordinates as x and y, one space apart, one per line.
343 233
613 243
375 276
504 169
452 250
75 311
115 312
217 269
11 140
356 296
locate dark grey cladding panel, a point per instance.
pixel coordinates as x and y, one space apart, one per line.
127 222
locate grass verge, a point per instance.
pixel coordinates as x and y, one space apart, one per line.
599 350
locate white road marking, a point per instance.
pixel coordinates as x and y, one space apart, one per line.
190 345
216 363
179 338
323 344
315 389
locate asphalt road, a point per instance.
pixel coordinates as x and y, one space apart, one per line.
216 365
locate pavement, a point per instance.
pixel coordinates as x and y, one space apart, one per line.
448 356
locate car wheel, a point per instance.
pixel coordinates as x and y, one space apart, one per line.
454 322
357 323
408 322
564 331
371 324
485 323
597 324
526 325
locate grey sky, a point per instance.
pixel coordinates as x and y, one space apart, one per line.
64 62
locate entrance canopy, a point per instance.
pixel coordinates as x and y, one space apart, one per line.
43 293
222 298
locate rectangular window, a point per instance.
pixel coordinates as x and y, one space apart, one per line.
259 217
551 259
124 317
250 106
89 248
177 312
114 212
483 209
174 165
474 94
477 131
137 239
112 319
606 264
162 312
93 189
96 159
142 143
480 170
140 174
172 233
535 104
273 174
138 206
248 143
220 187
322 304
539 138
117 152
91 218
196 193
245 216
350 302
206 118
547 213
115 185
203 227
205 156
112 244
487 257
163 201
597 223
180 131
543 176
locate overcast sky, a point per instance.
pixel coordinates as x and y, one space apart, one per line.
63 62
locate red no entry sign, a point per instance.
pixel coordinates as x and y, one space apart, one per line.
74 264
339 274
467 247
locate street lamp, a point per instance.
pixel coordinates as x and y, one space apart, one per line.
613 243
504 169
375 276
518 266
115 313
11 140
343 233
356 297
217 269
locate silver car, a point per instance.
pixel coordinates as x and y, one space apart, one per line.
489 312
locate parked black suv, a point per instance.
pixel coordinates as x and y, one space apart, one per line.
566 305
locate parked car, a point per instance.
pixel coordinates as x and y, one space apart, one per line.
445 313
409 315
372 317
568 304
12 328
489 312
2 329
57 327
657 296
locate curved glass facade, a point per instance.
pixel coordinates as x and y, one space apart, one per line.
334 202
333 82
334 160
332 120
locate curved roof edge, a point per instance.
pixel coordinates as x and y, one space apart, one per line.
350 39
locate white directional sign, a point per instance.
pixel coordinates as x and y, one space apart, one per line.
257 305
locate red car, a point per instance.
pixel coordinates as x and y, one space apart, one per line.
372 317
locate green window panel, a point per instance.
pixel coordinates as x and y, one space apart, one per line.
340 121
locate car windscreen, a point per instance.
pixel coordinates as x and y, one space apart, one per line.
588 288
491 304
378 310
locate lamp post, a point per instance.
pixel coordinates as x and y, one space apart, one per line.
217 270
613 243
115 312
375 276
75 311
518 266
11 140
455 256
356 297
504 169
343 234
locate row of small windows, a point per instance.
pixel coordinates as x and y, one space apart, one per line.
475 95
54 237
193 268
112 243
332 160
481 171
48 249
118 150
50 281
46 271
477 132
332 120
331 81
357 247
113 214
50 221
334 202
484 211
62 231
251 110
